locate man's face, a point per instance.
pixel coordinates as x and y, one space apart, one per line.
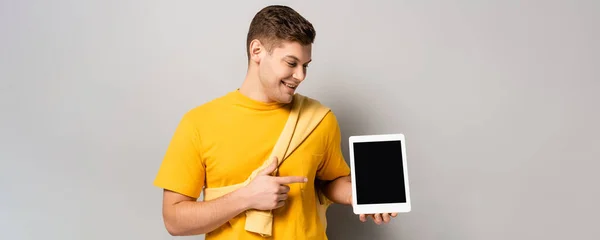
282 71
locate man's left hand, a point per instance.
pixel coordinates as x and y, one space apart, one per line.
378 218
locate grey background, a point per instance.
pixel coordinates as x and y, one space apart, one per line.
498 100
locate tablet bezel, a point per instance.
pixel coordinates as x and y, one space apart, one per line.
384 207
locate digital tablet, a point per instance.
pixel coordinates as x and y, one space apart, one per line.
379 174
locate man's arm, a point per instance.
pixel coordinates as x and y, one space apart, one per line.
185 216
339 190
182 176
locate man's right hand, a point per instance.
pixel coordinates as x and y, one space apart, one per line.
266 192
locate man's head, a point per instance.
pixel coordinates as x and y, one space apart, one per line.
279 48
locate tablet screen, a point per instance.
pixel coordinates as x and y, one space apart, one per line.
379 172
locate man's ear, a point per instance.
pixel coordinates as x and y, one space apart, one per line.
257 51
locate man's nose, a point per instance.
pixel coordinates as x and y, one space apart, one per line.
300 74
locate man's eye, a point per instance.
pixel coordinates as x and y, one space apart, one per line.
291 64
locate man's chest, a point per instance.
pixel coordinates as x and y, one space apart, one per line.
231 157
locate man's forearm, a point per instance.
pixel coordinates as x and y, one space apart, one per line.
193 217
339 190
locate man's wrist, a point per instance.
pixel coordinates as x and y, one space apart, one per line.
240 197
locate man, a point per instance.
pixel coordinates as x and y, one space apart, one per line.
222 142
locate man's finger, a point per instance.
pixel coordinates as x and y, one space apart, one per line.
283 189
363 218
281 197
394 214
269 169
378 218
291 179
386 218
280 204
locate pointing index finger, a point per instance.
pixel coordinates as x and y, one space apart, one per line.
291 179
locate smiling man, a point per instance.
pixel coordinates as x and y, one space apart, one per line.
225 148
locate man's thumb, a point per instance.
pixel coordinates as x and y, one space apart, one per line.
271 167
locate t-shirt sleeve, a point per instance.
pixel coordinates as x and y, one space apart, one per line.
182 169
333 164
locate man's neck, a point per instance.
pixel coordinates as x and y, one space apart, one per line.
252 88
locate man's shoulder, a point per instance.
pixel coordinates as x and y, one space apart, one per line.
208 108
329 121
311 100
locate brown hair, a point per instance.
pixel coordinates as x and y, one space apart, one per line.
277 23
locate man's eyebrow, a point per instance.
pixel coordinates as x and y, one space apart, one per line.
295 58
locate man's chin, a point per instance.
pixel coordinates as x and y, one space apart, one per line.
285 98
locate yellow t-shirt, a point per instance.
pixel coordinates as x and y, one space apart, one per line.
221 142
